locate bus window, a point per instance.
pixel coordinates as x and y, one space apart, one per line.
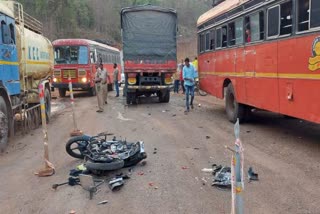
201 42
212 39
315 14
286 18
224 36
247 29
257 26
92 57
239 31
207 41
231 34
303 15
218 38
273 21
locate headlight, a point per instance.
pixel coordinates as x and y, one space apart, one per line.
132 80
84 79
55 80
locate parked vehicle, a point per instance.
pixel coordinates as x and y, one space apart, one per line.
26 61
149 51
103 155
78 58
262 54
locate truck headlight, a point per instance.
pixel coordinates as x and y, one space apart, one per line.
84 79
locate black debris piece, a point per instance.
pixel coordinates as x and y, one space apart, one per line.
252 176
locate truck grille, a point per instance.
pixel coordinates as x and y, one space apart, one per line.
72 72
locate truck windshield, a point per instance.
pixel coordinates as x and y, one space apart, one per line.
71 55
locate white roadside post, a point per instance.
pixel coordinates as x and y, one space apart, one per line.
237 177
49 168
75 131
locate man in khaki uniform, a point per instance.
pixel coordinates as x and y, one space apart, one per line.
100 80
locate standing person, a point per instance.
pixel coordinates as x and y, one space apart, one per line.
189 75
176 77
181 76
105 84
116 78
100 79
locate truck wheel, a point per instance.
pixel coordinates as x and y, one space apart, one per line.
4 124
47 98
234 109
131 98
62 92
166 97
128 98
110 87
92 91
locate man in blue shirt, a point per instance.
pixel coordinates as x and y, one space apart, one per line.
189 74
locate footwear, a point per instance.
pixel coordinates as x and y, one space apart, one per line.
117 95
99 111
191 106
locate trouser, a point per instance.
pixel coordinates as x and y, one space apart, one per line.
99 92
189 91
105 93
116 85
182 86
176 86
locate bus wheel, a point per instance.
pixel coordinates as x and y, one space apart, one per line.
234 109
4 124
92 91
62 92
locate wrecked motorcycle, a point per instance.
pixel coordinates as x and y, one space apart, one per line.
101 154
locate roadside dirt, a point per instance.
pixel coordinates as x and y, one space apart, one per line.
285 153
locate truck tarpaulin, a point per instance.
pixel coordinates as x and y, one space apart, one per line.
149 32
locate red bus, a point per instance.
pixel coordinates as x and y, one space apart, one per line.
78 58
262 54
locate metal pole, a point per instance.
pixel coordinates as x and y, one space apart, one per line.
49 168
76 131
237 173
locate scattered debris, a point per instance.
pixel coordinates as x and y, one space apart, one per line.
102 202
156 187
200 127
116 183
149 114
248 131
196 148
208 137
184 167
151 184
120 117
206 170
155 151
252 176
72 181
72 212
199 104
140 173
221 176
174 115
143 163
88 183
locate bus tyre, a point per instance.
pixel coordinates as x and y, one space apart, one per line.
131 98
234 109
166 96
62 92
47 98
92 91
4 124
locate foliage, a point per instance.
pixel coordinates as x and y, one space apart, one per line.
100 19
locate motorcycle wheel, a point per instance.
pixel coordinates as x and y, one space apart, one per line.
76 146
114 165
135 159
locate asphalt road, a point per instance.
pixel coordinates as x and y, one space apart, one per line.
284 152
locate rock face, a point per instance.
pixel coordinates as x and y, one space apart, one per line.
3 131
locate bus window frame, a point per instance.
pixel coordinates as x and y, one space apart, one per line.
267 25
212 31
205 41
310 6
220 47
292 24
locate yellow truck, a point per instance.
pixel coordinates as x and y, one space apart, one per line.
26 60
